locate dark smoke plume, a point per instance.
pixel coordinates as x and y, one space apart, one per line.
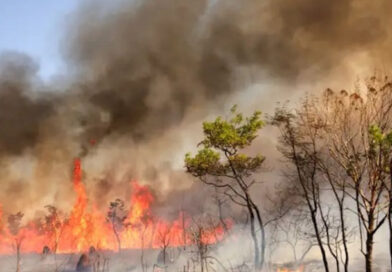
153 60
21 113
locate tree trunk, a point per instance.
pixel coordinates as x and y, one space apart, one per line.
344 238
117 237
390 230
262 242
369 251
254 235
320 243
312 210
390 212
164 255
369 241
18 256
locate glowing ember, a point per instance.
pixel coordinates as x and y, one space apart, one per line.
299 269
86 226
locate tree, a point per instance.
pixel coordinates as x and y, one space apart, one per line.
298 146
53 226
164 237
197 234
293 231
142 226
222 163
117 216
353 143
202 231
381 143
339 143
14 226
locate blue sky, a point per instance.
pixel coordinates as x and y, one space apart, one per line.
35 27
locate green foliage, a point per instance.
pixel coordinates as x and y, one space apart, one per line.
380 146
223 140
230 135
206 161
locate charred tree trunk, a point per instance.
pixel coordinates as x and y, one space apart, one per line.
142 252
18 245
117 236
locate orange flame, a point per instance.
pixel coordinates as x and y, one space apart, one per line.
299 269
87 226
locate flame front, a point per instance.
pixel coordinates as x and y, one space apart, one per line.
299 269
86 226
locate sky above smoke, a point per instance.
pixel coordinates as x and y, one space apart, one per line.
33 28
142 75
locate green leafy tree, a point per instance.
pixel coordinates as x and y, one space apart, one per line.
222 163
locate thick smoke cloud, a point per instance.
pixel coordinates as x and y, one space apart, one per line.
152 61
144 72
21 113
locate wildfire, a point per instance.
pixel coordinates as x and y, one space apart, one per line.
299 269
86 226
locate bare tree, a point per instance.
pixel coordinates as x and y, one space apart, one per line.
142 227
164 237
14 226
293 231
117 217
303 144
353 126
299 149
53 226
201 232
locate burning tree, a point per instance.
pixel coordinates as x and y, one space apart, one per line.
117 216
53 226
200 232
145 221
14 226
197 233
222 164
164 236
